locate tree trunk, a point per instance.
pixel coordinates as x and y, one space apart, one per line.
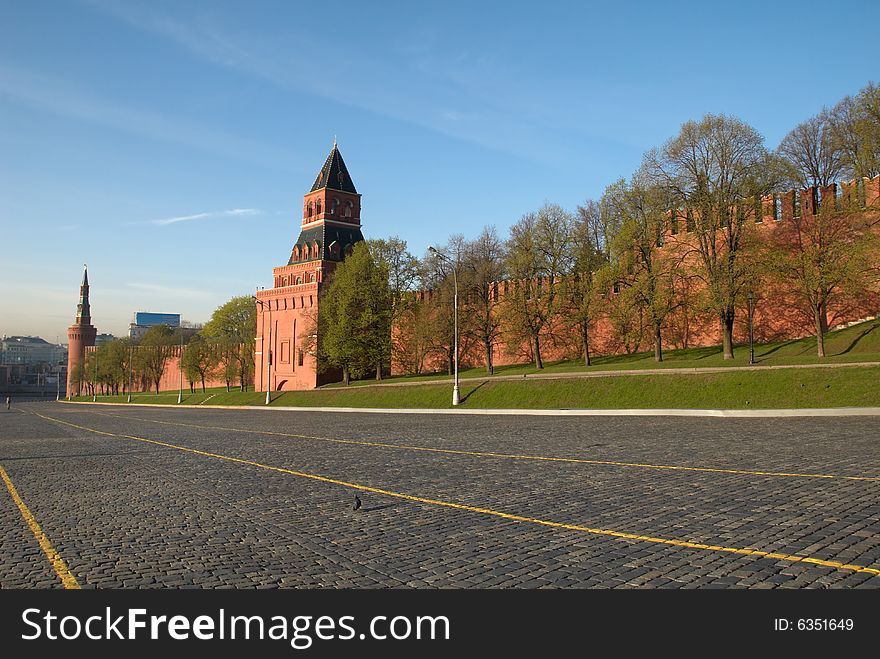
585 342
820 332
227 386
203 384
490 367
379 371
346 375
727 332
658 342
823 316
536 348
157 387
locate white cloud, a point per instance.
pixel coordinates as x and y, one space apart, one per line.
232 212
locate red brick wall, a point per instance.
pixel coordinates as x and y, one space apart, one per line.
778 315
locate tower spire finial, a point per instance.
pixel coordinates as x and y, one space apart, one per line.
334 141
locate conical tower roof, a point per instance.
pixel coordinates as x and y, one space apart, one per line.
334 174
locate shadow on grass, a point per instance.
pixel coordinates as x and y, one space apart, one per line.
856 340
777 347
701 353
471 392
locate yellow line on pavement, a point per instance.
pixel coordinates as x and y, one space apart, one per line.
487 454
58 564
495 513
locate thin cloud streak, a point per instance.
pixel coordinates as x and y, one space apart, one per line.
497 127
232 212
65 99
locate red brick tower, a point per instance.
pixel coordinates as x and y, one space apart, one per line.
286 313
79 335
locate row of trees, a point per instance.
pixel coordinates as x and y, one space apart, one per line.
222 349
681 238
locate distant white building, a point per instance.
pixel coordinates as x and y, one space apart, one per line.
30 351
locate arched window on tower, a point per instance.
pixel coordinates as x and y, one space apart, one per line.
318 206
310 210
333 206
348 207
311 277
305 252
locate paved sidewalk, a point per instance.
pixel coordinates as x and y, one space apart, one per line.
762 414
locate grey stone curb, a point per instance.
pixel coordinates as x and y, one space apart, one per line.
753 414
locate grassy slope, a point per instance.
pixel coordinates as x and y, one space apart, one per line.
843 387
853 344
839 387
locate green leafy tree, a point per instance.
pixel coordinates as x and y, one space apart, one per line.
403 274
234 327
354 316
200 359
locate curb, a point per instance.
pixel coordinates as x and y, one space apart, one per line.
742 414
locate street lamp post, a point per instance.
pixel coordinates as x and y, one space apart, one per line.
95 390
456 399
751 332
180 370
58 383
267 350
130 354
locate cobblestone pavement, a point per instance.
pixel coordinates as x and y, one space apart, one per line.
127 513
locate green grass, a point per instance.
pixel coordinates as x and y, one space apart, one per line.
837 387
790 388
858 343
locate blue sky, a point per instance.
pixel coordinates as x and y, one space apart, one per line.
168 144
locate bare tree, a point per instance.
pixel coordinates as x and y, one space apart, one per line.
579 299
810 154
718 167
856 130
438 278
154 352
825 256
538 256
482 272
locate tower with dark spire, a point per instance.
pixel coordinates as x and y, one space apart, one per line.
331 222
80 335
329 230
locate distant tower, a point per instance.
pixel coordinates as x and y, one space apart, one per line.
331 226
79 336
